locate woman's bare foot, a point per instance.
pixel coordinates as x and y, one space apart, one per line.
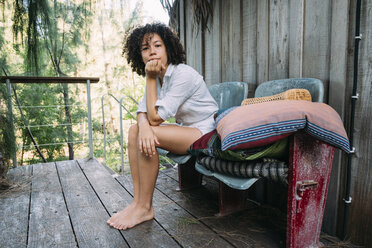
121 214
131 216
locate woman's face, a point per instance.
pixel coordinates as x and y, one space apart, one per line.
153 48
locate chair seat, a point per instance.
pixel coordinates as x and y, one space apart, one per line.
231 181
179 159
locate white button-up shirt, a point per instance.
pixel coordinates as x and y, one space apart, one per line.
185 96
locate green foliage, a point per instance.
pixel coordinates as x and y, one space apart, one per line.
41 95
75 38
19 19
113 152
52 29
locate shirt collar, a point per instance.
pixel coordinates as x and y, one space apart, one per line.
169 70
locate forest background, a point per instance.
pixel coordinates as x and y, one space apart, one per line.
78 38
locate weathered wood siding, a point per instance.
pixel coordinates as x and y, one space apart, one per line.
360 220
259 40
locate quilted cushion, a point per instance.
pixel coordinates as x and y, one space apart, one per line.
264 123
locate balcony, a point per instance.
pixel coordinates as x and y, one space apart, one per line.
67 204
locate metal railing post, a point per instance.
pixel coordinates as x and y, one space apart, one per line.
11 118
121 124
104 129
89 121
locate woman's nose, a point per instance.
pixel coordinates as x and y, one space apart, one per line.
152 50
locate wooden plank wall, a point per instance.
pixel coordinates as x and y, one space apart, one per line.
213 50
360 219
260 40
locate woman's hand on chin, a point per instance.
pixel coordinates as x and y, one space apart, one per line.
154 68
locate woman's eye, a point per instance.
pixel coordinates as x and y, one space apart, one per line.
144 48
158 45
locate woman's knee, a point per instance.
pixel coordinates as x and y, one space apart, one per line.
132 135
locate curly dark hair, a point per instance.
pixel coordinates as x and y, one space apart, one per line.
133 42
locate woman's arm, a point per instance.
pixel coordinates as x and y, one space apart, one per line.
151 98
146 137
153 69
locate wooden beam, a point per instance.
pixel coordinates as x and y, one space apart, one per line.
262 71
316 46
27 79
212 41
337 89
249 38
296 38
278 41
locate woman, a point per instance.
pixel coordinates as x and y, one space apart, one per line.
173 89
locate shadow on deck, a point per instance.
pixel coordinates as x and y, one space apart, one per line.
67 204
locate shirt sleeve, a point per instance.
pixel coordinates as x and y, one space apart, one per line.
142 105
182 85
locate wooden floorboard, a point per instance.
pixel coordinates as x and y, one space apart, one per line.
244 229
115 198
171 172
14 208
49 220
186 229
87 213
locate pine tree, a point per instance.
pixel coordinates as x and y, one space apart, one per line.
57 38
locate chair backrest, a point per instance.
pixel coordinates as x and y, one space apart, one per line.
229 94
313 85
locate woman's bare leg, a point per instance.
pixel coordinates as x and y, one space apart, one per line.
132 153
133 159
176 139
142 211
144 179
173 138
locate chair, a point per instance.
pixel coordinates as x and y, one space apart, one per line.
306 183
238 185
226 94
313 85
229 94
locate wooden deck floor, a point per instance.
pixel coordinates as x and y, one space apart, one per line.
66 204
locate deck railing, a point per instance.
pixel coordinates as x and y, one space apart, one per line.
64 80
121 107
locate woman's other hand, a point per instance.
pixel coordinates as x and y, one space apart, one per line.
147 140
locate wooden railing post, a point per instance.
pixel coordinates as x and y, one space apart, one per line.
10 116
